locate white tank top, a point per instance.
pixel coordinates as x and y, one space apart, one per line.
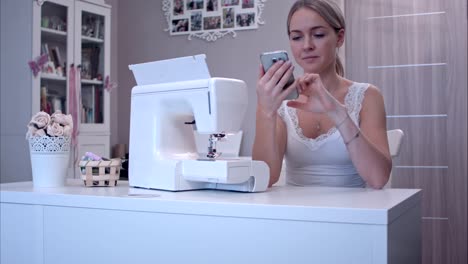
324 160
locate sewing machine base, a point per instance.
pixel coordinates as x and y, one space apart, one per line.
243 175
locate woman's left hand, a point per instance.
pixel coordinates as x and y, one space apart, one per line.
317 97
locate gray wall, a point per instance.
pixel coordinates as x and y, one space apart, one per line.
15 88
142 38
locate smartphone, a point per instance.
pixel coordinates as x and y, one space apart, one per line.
269 58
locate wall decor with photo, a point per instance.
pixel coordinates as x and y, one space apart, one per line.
212 19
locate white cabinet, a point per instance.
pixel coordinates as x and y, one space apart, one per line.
290 224
74 36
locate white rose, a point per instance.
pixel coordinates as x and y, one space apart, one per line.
31 131
39 133
55 130
38 124
67 131
34 132
40 120
64 120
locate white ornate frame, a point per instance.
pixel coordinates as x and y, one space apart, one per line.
211 34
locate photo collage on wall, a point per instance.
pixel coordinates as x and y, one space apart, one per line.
194 16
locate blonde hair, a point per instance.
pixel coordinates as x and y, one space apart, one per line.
330 12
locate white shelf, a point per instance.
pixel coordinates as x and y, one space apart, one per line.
55 77
53 31
91 40
86 81
55 35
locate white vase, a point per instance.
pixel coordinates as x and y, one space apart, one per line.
49 160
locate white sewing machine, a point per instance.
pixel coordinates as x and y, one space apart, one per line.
173 97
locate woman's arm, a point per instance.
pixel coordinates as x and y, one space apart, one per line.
367 144
270 143
270 132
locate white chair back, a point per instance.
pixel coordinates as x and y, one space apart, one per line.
395 138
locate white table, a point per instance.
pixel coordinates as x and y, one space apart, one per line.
77 224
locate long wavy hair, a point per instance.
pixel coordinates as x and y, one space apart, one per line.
330 12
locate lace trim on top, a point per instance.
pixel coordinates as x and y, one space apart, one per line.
46 144
353 103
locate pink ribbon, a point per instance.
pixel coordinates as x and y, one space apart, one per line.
74 105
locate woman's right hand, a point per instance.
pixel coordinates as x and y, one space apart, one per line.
270 93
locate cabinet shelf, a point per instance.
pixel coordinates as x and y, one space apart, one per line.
55 32
91 40
54 35
54 77
95 82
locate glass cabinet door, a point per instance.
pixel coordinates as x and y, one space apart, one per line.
53 54
92 69
92 49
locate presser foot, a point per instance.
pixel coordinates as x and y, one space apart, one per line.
212 153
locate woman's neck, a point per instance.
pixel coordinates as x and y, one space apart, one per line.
331 80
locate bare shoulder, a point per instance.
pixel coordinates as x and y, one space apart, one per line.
373 107
373 98
373 91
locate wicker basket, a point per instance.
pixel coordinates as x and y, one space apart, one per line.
100 173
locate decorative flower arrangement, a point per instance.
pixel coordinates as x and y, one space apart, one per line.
50 133
57 125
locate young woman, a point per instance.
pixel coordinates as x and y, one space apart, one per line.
334 134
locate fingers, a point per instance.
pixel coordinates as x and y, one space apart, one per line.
297 104
307 82
317 97
276 77
287 90
261 71
307 79
271 83
290 89
274 74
